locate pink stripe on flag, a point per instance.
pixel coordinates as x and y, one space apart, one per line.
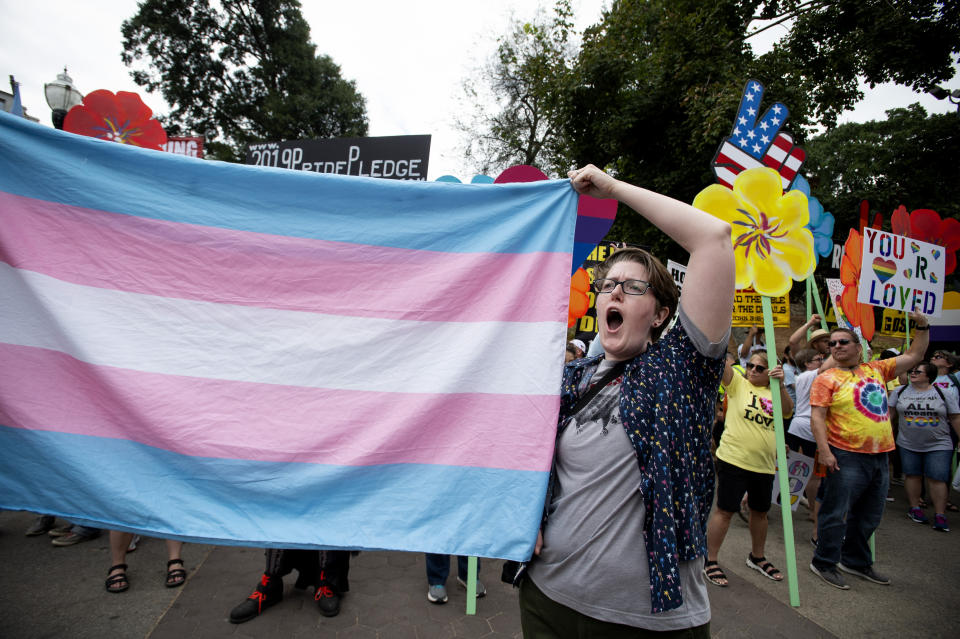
49 391
170 259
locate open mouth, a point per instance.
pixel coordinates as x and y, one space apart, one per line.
614 319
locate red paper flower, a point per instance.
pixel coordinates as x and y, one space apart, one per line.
120 118
858 314
926 226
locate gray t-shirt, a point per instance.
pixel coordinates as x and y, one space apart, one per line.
923 418
594 559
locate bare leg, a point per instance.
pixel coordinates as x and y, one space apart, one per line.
118 551
717 531
912 486
175 576
938 494
173 548
758 532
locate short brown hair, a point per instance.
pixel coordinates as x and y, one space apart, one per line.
662 286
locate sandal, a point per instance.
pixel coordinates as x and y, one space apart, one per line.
119 581
175 576
764 567
714 574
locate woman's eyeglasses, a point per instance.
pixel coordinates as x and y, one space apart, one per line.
838 342
630 287
756 367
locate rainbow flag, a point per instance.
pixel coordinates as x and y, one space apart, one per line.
253 356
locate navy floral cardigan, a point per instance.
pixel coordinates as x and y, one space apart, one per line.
667 403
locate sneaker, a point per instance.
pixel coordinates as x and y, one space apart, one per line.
437 594
268 592
41 524
71 538
328 601
939 523
831 576
890 497
867 573
918 516
481 589
133 543
60 531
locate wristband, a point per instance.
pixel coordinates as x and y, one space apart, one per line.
922 328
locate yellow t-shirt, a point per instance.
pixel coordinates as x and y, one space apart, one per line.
856 403
749 437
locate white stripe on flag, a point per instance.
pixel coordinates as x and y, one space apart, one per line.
241 343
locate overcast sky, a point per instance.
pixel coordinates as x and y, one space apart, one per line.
409 59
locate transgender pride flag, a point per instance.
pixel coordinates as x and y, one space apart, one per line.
262 357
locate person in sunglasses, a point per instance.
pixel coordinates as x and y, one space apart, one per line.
624 531
746 462
926 415
851 423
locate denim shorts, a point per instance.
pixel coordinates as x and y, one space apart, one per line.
933 465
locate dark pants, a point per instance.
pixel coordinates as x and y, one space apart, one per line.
543 618
857 491
438 568
314 567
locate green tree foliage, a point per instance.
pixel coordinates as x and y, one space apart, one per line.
656 83
910 159
526 75
243 70
659 80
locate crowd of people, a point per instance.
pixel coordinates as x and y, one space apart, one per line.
634 475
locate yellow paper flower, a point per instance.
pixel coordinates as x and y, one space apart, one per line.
770 243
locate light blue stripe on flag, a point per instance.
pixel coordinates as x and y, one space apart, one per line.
265 504
51 165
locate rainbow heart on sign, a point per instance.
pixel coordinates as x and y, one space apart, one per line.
933 278
884 269
935 253
914 247
908 273
594 217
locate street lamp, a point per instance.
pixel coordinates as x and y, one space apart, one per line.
941 93
61 97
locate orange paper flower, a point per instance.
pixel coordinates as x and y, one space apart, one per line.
579 301
858 314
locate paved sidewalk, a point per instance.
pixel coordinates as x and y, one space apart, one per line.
58 592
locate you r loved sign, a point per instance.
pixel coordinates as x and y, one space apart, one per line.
901 273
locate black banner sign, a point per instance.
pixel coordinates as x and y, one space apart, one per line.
397 157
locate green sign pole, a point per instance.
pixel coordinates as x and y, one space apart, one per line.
812 283
783 473
471 585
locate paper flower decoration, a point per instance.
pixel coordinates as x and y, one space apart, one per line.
900 221
926 226
859 315
771 243
120 118
579 301
821 222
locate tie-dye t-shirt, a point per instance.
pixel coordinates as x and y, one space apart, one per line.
856 403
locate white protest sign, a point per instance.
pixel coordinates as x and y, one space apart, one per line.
800 469
677 272
901 273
